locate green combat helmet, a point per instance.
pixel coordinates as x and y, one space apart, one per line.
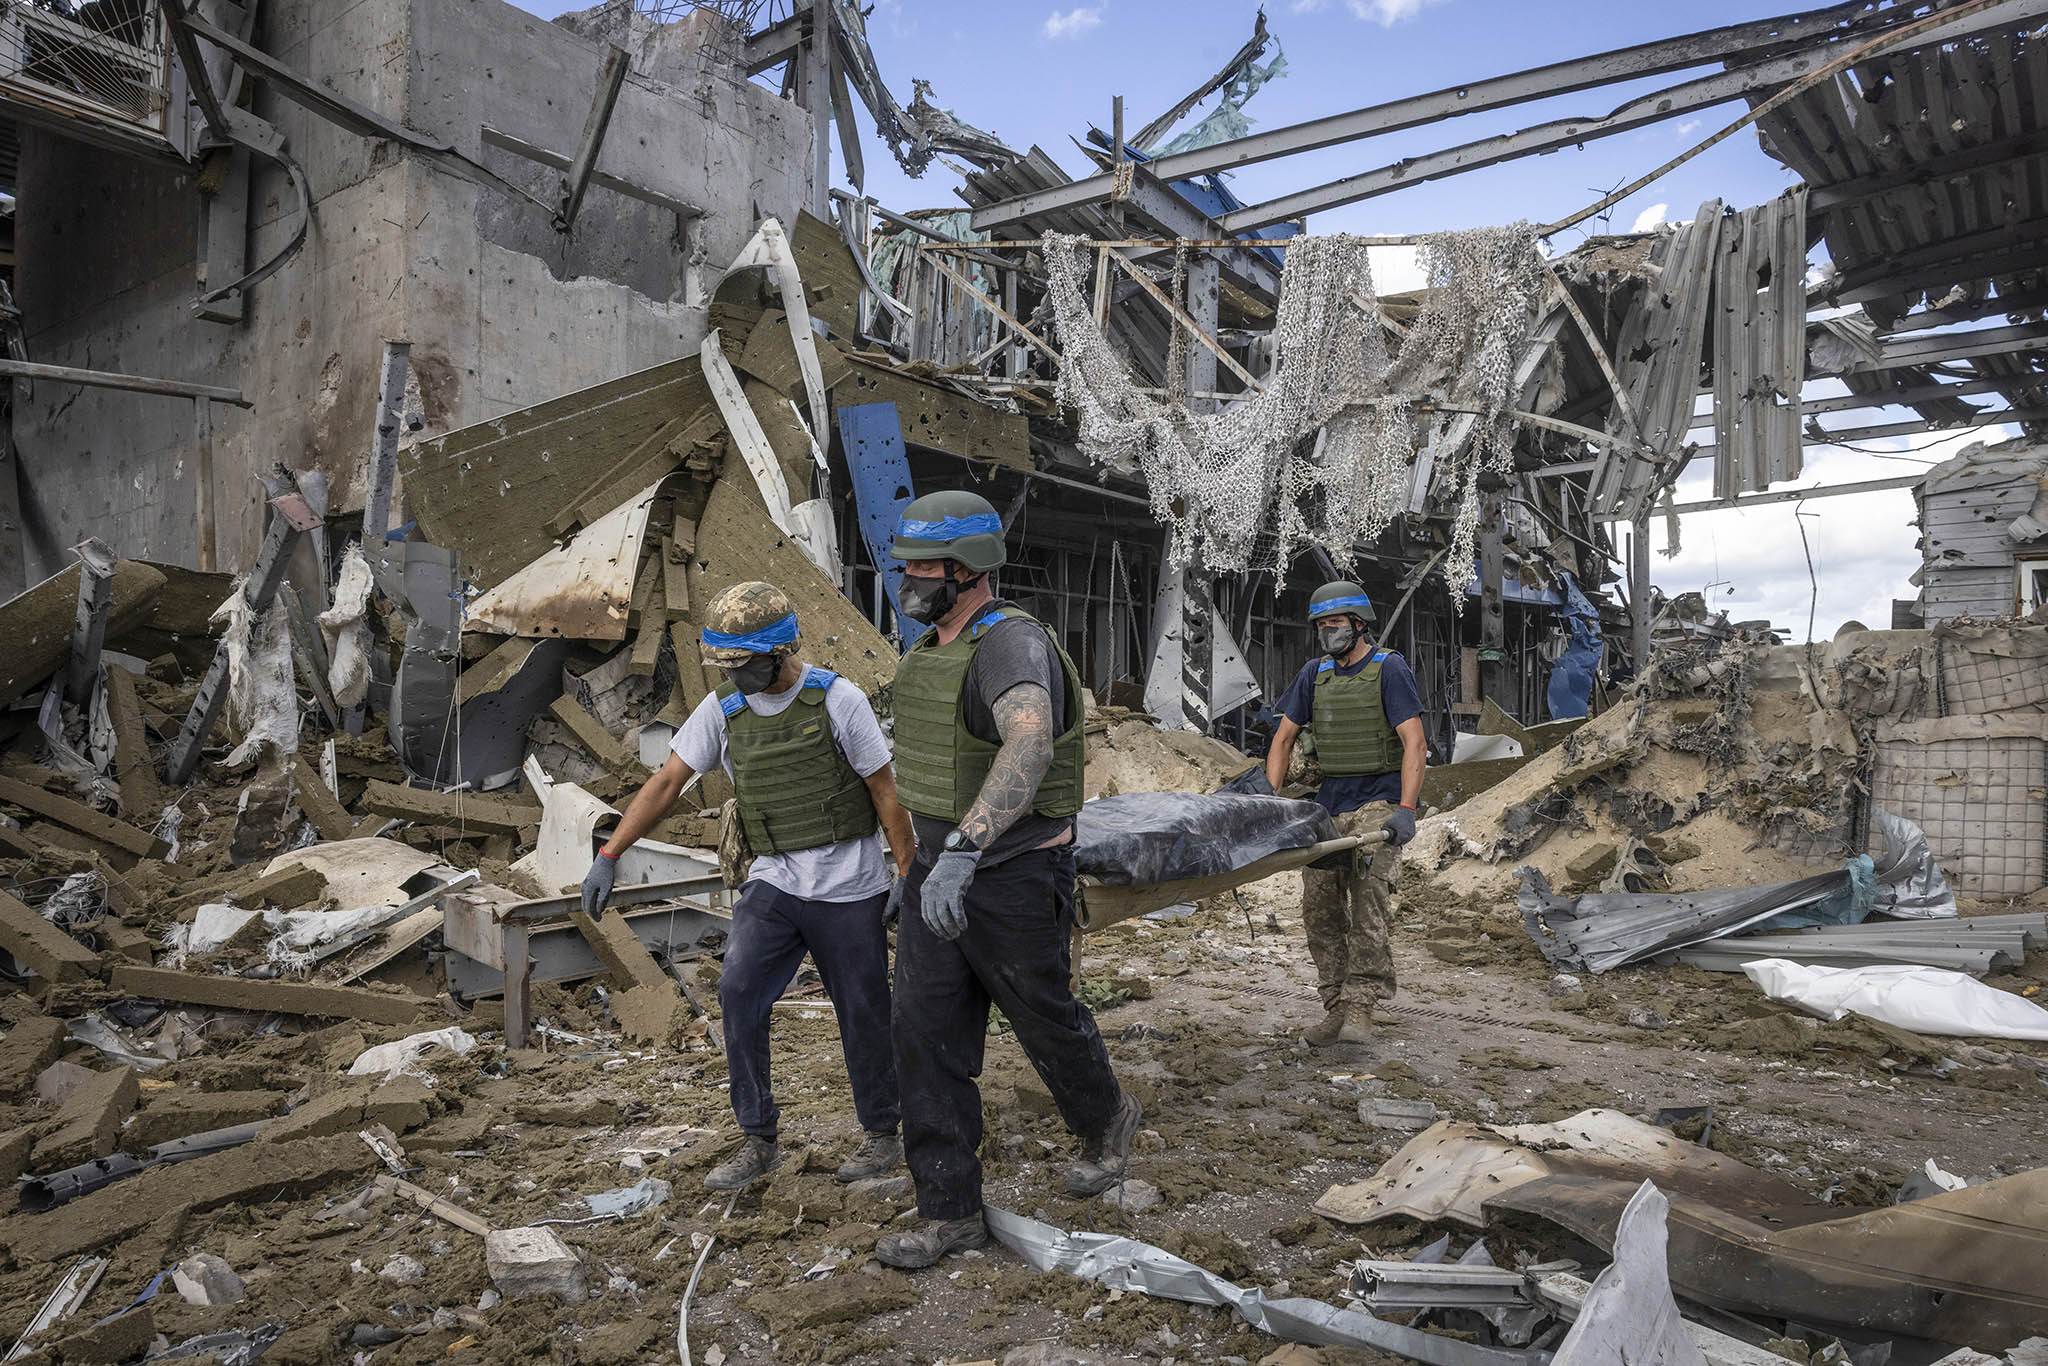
953 525
1340 597
748 619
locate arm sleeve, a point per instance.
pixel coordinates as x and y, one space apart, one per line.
701 741
1298 703
1398 692
854 726
1014 652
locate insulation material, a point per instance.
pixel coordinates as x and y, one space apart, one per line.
346 628
401 1056
262 700
1922 999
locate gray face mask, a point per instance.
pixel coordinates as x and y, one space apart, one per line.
925 600
756 675
1337 640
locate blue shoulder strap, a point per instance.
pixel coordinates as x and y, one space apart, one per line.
1328 665
990 618
816 677
732 703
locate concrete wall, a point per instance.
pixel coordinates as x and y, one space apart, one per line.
502 311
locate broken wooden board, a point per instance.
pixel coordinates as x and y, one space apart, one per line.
736 542
37 625
471 811
595 739
264 994
83 819
133 768
940 418
54 955
488 490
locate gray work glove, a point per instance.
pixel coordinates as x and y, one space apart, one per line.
943 898
597 884
892 909
1400 826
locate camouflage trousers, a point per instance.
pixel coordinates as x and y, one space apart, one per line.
1349 917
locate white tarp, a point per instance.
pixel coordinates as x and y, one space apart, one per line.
1924 1000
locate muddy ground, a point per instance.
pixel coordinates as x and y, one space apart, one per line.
1247 1127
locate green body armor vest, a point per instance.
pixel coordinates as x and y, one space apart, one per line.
940 767
1353 739
795 789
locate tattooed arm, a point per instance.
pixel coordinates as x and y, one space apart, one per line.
1025 722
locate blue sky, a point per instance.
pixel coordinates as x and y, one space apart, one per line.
1043 73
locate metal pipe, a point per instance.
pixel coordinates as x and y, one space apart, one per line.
108 379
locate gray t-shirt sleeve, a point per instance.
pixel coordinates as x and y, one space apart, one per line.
701 741
855 728
1014 652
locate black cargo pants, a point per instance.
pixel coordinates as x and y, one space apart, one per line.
1016 953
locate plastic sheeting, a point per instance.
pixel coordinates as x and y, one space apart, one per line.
1126 1264
1570 692
1910 884
1142 839
1924 1000
400 1056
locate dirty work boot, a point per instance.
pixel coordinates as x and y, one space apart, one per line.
756 1158
876 1154
1325 1031
1105 1159
1356 1024
931 1240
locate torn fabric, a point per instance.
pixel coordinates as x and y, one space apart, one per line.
346 628
262 700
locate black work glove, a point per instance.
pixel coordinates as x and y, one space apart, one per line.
1400 826
899 893
943 898
597 884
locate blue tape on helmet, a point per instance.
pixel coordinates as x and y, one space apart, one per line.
1331 606
759 642
951 528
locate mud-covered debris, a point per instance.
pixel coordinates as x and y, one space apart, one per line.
534 1261
205 1280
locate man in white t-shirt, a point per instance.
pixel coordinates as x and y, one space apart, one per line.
815 787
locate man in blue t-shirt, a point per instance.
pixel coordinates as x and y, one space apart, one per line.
1365 712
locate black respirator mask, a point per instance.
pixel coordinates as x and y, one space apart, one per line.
926 600
1337 638
756 675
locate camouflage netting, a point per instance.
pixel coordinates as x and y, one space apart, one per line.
1323 455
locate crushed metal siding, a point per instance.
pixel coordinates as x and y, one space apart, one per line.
1759 344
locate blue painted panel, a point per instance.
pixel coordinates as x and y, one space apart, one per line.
873 437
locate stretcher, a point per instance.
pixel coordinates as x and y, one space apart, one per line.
1100 904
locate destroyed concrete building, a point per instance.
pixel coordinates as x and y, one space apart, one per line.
479 353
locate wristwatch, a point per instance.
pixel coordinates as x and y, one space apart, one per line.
956 841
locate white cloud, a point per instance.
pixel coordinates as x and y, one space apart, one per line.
1750 561
1388 13
1650 218
1686 126
1307 6
1074 22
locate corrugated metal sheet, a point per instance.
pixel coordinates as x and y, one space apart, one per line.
1659 360
1907 114
1759 345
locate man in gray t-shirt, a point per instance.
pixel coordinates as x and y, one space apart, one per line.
816 790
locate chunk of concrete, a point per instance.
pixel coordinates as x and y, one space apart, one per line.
1409 1116
46 950
534 1261
182 1112
1132 1197
56 1082
204 1279
883 1189
28 1048
399 1104
89 1121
